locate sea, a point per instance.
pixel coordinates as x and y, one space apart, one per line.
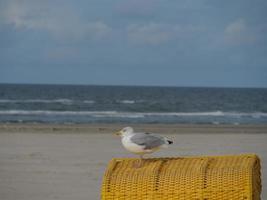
85 104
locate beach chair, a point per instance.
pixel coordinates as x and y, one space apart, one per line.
234 177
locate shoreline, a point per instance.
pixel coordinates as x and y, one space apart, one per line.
106 128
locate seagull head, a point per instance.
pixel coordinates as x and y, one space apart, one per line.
125 131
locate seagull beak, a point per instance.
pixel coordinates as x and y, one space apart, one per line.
118 133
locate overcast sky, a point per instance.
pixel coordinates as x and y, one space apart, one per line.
134 42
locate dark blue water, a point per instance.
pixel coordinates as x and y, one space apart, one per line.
114 104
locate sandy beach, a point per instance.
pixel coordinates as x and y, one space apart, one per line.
39 162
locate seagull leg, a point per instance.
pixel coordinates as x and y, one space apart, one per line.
139 162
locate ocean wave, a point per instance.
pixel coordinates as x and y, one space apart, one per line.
73 113
88 101
36 101
48 101
126 101
133 114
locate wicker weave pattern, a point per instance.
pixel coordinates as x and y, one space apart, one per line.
198 178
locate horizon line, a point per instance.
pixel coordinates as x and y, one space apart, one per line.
122 85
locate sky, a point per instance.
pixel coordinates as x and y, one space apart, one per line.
211 43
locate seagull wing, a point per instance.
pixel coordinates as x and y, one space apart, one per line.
148 140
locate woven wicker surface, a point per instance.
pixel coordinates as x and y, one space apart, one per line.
204 178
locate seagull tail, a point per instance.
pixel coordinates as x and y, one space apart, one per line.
170 142
167 143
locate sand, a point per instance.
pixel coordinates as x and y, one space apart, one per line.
39 162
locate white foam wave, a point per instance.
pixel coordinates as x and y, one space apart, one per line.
62 101
126 101
73 113
36 101
88 101
133 114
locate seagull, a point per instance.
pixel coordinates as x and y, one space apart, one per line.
142 143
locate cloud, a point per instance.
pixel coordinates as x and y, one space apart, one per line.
238 32
137 8
151 33
156 33
236 27
61 22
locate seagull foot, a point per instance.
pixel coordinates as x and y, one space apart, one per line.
138 163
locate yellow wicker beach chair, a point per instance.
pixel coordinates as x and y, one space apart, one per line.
199 178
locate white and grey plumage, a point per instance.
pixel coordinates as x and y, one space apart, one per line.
142 143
